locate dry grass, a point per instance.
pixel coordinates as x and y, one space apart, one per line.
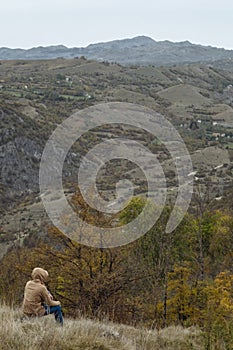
83 334
184 94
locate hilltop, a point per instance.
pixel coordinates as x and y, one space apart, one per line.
140 50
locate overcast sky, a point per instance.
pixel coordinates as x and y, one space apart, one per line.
30 23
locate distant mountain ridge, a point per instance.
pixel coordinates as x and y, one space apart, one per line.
141 50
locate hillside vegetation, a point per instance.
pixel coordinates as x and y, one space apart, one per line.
17 333
38 95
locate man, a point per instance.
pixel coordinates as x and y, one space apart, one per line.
37 299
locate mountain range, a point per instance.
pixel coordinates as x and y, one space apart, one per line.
141 50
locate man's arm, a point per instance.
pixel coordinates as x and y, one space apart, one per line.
47 298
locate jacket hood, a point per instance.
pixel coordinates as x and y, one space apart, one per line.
39 273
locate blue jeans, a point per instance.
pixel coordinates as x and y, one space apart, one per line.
56 310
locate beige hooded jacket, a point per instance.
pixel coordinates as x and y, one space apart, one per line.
36 294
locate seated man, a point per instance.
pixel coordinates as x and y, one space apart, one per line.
37 299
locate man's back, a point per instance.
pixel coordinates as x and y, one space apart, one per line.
34 295
37 299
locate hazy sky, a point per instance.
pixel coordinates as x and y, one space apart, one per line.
29 23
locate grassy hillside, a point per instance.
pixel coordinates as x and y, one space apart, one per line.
83 334
184 94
